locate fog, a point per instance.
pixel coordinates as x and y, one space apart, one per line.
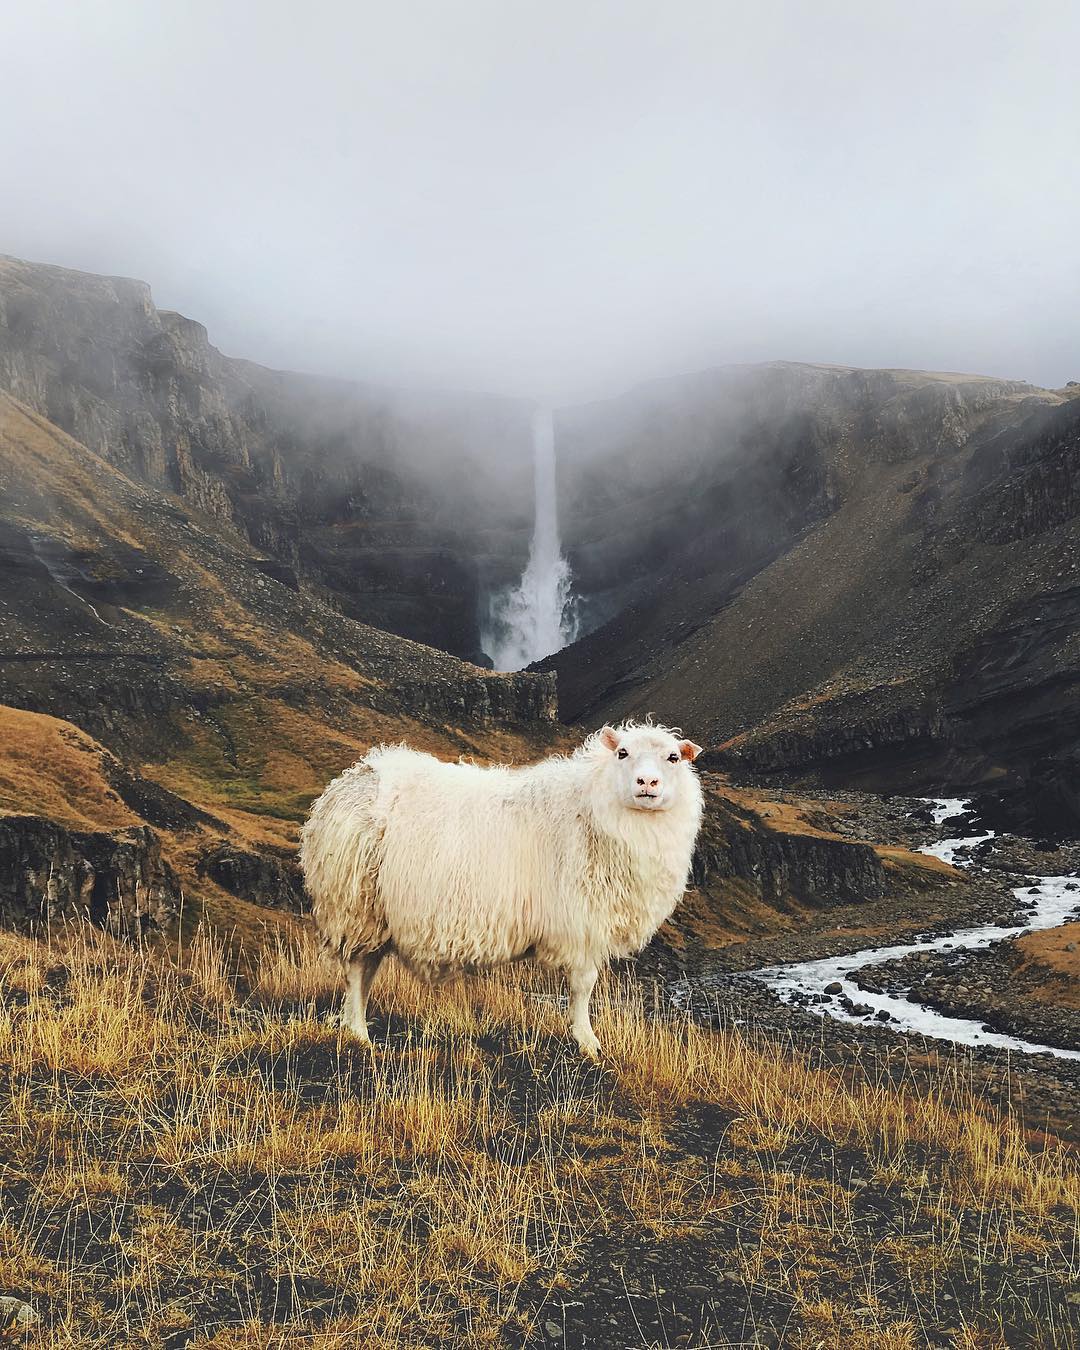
561 199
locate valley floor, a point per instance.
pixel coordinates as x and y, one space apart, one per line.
1024 985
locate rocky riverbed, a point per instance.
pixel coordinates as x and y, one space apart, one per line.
937 989
982 986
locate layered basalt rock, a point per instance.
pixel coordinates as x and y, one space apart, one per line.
792 863
118 880
259 877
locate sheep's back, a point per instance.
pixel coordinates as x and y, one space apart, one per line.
461 865
475 862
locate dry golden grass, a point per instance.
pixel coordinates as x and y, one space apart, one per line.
1047 957
182 1143
49 767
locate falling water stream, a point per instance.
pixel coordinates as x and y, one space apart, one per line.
57 575
537 616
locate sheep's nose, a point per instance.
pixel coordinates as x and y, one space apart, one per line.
648 782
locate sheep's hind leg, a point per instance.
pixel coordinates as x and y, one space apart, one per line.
359 974
582 982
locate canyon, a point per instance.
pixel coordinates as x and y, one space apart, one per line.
838 576
830 576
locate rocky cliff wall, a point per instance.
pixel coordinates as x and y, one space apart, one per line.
783 865
117 880
379 499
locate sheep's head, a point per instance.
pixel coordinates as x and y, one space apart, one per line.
648 765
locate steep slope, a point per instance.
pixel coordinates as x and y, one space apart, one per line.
399 508
224 698
864 576
70 844
168 711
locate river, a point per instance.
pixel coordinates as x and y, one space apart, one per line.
1054 900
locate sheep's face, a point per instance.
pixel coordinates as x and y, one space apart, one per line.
648 765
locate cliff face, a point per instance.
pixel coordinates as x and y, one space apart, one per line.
856 576
797 862
49 874
663 483
110 584
374 499
220 695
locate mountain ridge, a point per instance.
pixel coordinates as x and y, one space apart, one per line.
372 496
819 557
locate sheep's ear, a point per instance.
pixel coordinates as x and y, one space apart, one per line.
689 750
609 738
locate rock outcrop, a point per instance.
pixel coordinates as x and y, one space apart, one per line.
792 862
258 877
118 880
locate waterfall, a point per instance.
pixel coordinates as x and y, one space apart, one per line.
537 616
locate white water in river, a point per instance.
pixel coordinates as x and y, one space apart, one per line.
1055 899
537 616
952 851
1054 905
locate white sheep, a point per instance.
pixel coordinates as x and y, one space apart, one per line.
569 862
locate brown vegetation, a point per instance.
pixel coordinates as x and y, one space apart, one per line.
49 767
1050 965
188 1146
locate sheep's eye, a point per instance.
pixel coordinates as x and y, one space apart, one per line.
673 759
623 754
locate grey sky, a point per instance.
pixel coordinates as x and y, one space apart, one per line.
557 198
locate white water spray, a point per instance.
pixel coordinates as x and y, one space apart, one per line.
537 616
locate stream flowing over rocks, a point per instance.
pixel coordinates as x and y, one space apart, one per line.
841 987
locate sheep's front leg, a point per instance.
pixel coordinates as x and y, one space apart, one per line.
582 982
359 973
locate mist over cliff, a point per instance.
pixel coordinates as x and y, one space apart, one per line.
559 202
828 572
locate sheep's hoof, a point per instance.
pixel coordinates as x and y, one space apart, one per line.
589 1047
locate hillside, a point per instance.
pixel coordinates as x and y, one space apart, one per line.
150 754
155 676
398 507
833 575
858 576
187 690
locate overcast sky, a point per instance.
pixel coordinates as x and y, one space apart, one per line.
561 197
